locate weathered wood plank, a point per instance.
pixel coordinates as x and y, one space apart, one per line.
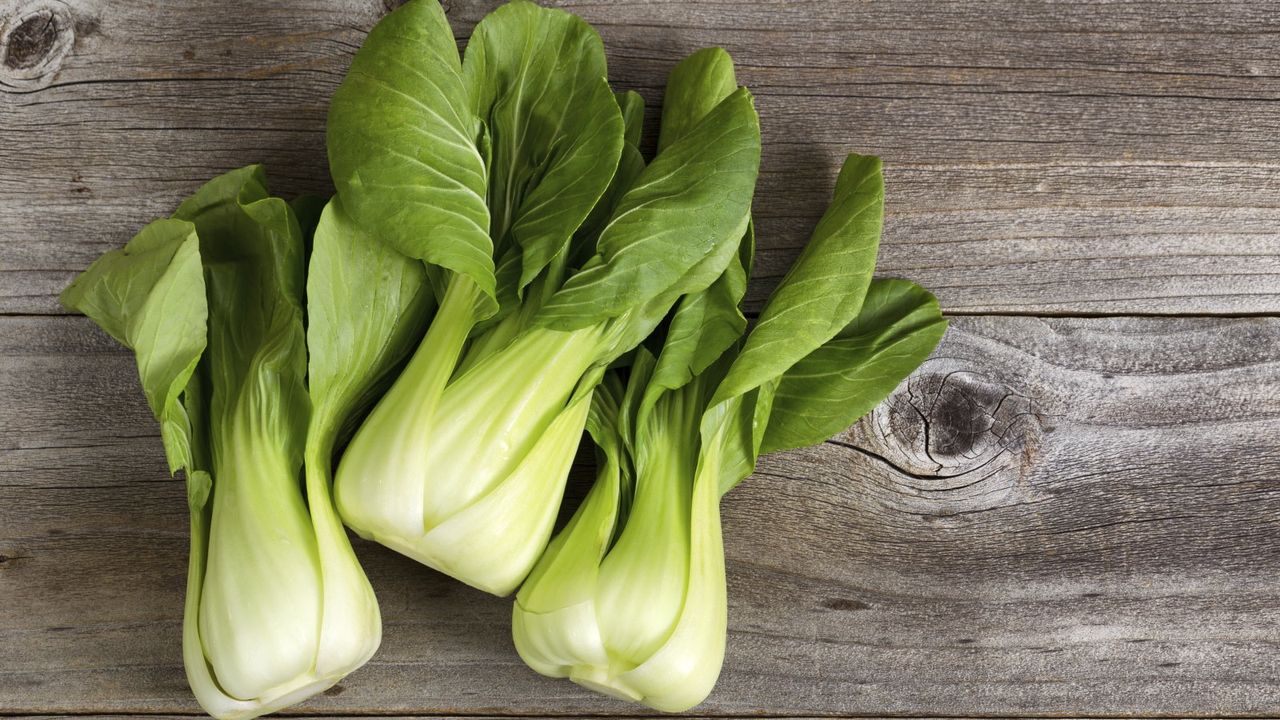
638 716
1091 157
1052 517
174 716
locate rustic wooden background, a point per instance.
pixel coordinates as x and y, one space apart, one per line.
1073 509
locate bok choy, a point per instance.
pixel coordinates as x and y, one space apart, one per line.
500 271
210 301
629 599
552 249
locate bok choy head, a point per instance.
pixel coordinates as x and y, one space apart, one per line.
277 607
551 248
629 599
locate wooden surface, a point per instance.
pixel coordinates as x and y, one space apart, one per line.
1041 157
1056 516
1091 527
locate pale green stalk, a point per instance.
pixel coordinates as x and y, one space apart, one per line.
277 608
513 169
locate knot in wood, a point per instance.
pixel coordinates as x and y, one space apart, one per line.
958 440
960 419
35 37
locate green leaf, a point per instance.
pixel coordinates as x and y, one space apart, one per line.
583 247
199 485
690 203
150 296
251 248
632 107
705 323
536 77
630 164
823 290
225 194
638 375
819 296
636 323
366 306
833 386
694 88
405 146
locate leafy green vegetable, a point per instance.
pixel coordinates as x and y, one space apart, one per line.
552 247
536 78
500 270
150 298
899 325
704 324
403 146
824 289
365 304
629 599
277 608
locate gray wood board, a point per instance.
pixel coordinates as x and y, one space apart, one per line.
638 716
1051 517
1062 158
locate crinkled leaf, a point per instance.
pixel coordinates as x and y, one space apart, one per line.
150 296
823 290
209 303
689 204
251 247
536 77
826 392
406 148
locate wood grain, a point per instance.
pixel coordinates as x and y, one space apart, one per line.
1053 517
638 716
1060 158
174 716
